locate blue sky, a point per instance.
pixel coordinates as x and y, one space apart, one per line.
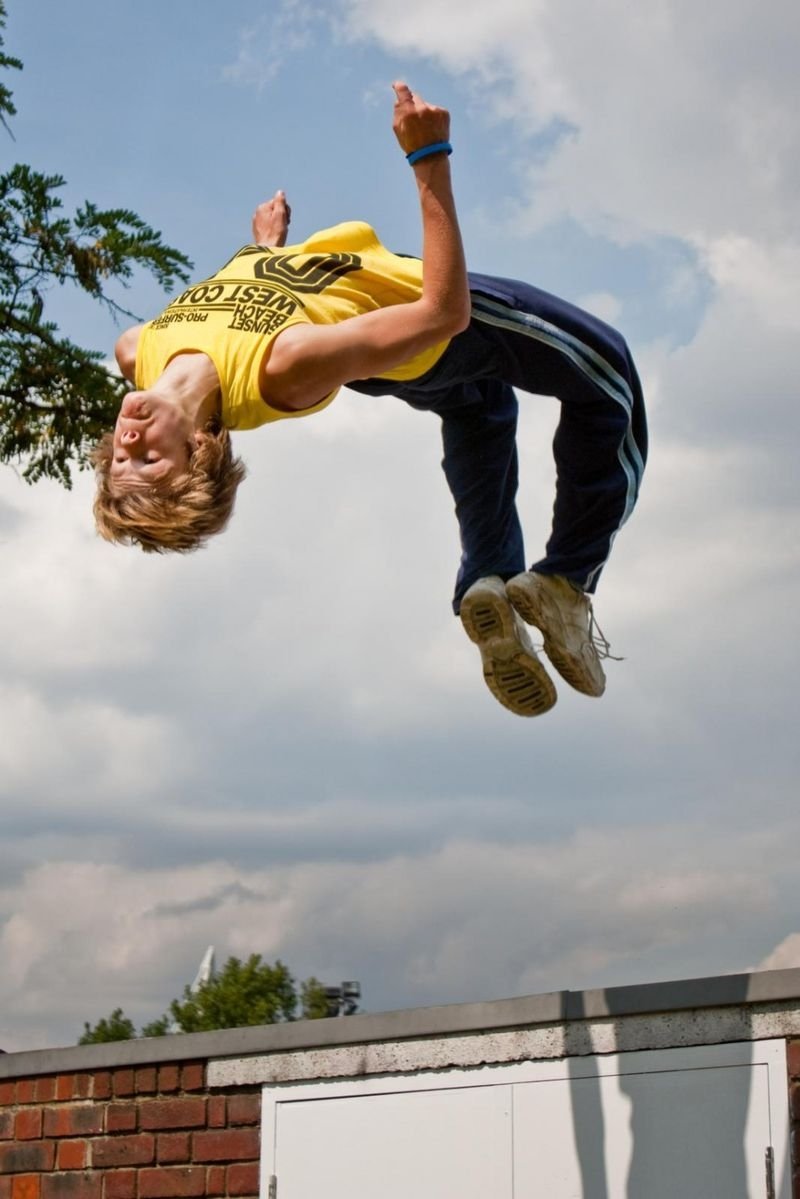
283 744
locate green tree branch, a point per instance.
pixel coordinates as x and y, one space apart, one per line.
56 398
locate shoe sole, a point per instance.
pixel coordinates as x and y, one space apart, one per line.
543 615
514 675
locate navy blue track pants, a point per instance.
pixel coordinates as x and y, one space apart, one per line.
521 337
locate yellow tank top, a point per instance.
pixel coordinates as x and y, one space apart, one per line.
234 316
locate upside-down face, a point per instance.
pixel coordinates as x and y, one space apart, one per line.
152 440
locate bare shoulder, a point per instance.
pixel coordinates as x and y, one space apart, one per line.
125 351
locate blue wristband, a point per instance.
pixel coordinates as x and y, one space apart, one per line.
424 151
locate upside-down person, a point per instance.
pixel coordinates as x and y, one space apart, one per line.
278 329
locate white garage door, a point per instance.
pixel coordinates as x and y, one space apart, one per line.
703 1123
423 1144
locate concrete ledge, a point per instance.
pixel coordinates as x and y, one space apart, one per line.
781 987
554 1042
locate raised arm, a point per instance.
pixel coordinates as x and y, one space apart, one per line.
445 292
308 361
270 226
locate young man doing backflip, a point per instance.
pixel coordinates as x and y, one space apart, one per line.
277 330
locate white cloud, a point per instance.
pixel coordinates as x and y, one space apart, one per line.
681 121
73 753
681 124
266 47
764 276
603 304
785 955
463 921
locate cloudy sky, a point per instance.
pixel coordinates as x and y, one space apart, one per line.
283 744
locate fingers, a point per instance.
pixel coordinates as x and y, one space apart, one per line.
415 122
278 201
408 103
403 93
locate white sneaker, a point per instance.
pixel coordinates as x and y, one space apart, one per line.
563 614
511 668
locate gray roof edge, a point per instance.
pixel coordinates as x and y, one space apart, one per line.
556 1007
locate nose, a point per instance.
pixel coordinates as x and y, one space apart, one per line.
132 440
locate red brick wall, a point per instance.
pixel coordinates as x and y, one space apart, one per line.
146 1133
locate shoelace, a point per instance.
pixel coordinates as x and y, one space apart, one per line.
602 646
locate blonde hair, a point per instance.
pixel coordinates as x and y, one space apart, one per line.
179 514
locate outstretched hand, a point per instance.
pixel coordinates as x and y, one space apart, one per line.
417 123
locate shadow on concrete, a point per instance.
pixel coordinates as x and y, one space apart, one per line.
588 1117
687 1128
